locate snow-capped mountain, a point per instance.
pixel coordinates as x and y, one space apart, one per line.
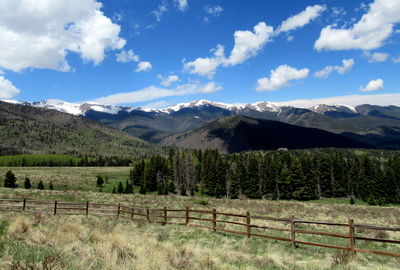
153 124
73 108
323 108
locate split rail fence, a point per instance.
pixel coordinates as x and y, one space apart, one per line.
252 225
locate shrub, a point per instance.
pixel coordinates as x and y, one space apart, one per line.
27 183
40 185
10 181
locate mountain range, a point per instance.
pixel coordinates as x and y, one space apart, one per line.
374 125
237 133
31 130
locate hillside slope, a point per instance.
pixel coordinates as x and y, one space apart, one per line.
239 133
25 129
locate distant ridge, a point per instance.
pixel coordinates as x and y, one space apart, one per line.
31 130
240 133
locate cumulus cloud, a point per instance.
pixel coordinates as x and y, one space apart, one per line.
127 56
207 66
143 66
7 89
167 81
347 65
182 5
39 34
302 18
373 85
368 33
281 77
376 57
350 100
154 92
247 44
396 60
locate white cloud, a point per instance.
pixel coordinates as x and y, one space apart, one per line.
39 34
350 100
376 57
167 81
127 56
373 85
207 66
346 67
7 89
368 33
213 10
159 12
396 60
182 5
154 92
281 77
302 18
143 66
156 105
247 45
290 38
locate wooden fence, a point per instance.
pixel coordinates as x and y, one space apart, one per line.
251 224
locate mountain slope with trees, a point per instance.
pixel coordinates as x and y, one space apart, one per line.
30 130
239 133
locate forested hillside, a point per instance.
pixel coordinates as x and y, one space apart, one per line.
240 133
30 130
299 175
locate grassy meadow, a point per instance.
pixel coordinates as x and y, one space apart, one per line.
80 242
37 241
69 178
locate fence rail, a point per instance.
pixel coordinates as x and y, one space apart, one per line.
191 217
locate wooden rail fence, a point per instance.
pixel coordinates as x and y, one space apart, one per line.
192 217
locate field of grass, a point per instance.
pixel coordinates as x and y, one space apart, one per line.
80 242
69 178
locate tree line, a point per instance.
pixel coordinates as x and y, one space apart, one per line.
286 175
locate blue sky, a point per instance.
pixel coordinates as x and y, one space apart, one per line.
162 52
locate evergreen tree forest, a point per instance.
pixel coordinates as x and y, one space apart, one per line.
276 175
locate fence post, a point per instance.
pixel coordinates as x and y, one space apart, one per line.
87 208
351 236
248 227
214 220
165 215
147 214
187 216
55 207
293 231
119 210
133 212
24 205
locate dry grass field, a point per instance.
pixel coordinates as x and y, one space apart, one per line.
89 242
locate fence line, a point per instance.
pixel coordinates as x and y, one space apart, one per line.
189 217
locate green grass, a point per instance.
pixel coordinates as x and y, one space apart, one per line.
69 178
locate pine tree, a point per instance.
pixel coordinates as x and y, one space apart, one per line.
128 187
51 187
100 181
233 181
40 185
120 188
252 188
10 181
27 183
114 191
